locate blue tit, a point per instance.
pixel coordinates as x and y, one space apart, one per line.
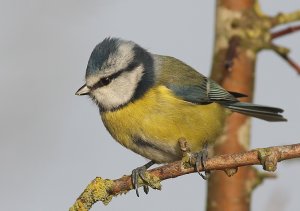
148 101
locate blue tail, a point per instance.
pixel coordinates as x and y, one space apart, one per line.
267 113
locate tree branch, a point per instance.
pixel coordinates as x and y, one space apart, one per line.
291 62
285 31
283 18
103 190
284 53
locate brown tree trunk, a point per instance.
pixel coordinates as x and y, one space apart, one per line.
233 193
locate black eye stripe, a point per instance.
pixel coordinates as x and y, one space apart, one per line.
106 80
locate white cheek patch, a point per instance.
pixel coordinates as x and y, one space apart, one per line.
120 90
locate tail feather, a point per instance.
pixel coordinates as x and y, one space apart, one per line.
267 113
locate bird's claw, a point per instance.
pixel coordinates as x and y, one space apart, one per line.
194 159
140 172
200 159
136 174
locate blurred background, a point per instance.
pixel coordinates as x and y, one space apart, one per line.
53 143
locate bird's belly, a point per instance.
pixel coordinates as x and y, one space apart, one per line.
152 125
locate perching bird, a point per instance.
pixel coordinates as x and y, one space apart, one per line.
148 101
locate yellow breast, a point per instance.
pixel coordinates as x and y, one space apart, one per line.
152 125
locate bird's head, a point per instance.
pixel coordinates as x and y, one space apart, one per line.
118 72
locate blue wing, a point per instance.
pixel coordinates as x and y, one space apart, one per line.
207 91
190 85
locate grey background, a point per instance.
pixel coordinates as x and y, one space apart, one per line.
52 143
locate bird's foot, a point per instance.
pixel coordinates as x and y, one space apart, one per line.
141 177
200 159
137 173
194 159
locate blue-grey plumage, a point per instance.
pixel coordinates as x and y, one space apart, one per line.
147 101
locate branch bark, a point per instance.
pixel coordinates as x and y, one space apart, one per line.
103 190
285 31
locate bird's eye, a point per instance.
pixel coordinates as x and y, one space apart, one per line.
105 81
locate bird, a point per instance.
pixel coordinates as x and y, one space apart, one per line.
147 102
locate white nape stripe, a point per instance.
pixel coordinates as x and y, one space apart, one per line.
120 59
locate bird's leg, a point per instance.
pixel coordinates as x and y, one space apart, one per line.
140 172
200 159
187 156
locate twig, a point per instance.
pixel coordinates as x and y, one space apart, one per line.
283 18
284 32
291 62
103 190
284 53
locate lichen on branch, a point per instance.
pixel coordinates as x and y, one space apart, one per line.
103 189
284 18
